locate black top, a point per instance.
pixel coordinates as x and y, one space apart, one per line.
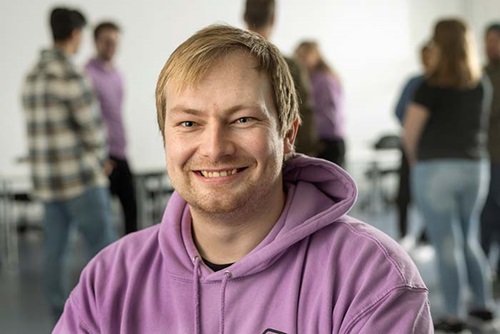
216 267
457 123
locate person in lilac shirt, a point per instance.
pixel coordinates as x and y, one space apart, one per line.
255 238
109 88
328 100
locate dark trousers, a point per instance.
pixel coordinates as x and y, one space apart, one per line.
490 216
403 197
122 186
334 151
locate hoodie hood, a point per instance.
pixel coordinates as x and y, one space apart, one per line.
318 193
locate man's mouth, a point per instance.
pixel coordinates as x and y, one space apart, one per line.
222 173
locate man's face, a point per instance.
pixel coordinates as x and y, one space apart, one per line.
492 44
76 40
107 43
223 149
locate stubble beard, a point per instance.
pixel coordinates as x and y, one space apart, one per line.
233 203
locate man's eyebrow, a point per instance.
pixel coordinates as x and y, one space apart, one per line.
184 110
196 112
253 106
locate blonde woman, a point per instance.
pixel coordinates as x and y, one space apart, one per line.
445 140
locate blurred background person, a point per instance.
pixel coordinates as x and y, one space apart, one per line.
445 141
403 198
67 152
328 102
108 85
490 217
259 17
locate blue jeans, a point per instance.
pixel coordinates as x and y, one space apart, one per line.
90 213
450 194
490 217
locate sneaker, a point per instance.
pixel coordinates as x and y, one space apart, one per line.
447 326
481 319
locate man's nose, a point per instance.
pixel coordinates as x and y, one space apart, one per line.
217 141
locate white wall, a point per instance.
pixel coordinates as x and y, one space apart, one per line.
371 43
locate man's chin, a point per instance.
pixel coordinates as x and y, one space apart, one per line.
218 206
215 208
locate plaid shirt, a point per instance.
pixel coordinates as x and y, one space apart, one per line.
65 133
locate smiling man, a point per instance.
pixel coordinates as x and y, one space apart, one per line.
255 238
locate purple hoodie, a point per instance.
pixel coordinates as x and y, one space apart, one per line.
317 271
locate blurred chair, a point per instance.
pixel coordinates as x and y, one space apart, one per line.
153 190
19 211
381 168
9 253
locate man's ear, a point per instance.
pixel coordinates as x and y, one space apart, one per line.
76 33
272 20
290 136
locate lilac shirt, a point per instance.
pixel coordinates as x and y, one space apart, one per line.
317 271
108 86
328 102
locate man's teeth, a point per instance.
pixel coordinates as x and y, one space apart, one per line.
219 174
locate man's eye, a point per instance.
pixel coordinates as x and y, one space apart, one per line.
243 120
187 124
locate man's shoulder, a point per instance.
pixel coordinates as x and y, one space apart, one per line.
54 71
128 251
361 232
371 248
92 67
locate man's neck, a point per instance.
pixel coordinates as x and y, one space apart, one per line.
66 47
264 31
228 239
107 63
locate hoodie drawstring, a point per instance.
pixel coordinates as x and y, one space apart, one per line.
196 288
227 276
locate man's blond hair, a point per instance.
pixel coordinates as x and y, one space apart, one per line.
191 61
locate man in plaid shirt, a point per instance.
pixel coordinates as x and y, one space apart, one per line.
67 152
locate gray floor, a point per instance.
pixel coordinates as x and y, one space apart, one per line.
23 309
